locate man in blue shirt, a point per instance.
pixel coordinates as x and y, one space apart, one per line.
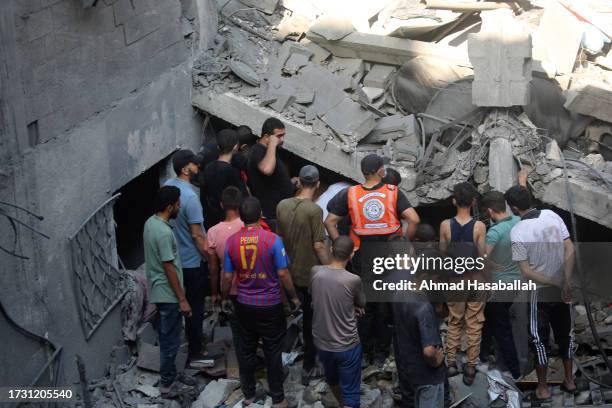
259 260
191 238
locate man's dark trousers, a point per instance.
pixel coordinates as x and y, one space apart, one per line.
169 333
498 324
196 289
375 325
267 323
310 351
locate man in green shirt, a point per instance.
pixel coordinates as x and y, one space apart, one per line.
165 278
502 268
300 225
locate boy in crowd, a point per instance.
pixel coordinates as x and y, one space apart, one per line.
545 254
498 249
464 236
231 198
337 299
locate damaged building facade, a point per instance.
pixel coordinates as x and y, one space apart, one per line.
95 96
91 98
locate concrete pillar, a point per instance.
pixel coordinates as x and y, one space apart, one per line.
502 166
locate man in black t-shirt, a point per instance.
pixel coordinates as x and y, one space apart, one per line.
419 354
376 210
218 175
269 178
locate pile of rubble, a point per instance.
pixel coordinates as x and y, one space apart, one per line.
445 91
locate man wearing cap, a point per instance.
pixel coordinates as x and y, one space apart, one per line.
300 225
268 177
191 238
376 210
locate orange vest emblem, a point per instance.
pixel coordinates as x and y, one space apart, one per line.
373 212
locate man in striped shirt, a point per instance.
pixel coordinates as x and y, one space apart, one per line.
259 260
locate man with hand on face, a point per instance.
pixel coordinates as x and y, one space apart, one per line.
191 238
269 179
165 279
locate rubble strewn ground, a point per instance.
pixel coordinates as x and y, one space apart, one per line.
132 382
344 78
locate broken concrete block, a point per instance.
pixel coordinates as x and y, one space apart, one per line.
553 153
282 102
502 167
267 6
371 94
244 72
378 76
320 54
332 27
350 70
591 98
148 357
215 393
350 119
304 96
596 161
295 62
391 127
501 56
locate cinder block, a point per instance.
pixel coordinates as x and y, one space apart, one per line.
501 56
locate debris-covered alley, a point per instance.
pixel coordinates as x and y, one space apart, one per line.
98 96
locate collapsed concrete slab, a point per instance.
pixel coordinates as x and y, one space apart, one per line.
558 47
299 139
589 200
501 56
591 98
391 127
386 50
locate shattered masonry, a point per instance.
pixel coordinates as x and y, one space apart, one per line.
471 97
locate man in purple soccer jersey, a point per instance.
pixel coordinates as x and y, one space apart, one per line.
259 259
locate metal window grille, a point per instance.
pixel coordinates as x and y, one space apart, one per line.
99 283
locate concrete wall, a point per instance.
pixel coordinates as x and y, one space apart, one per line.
89 99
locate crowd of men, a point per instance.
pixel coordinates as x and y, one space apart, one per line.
265 245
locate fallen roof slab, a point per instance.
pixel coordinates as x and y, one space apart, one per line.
387 50
298 140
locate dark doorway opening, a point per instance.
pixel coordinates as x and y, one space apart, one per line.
132 209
